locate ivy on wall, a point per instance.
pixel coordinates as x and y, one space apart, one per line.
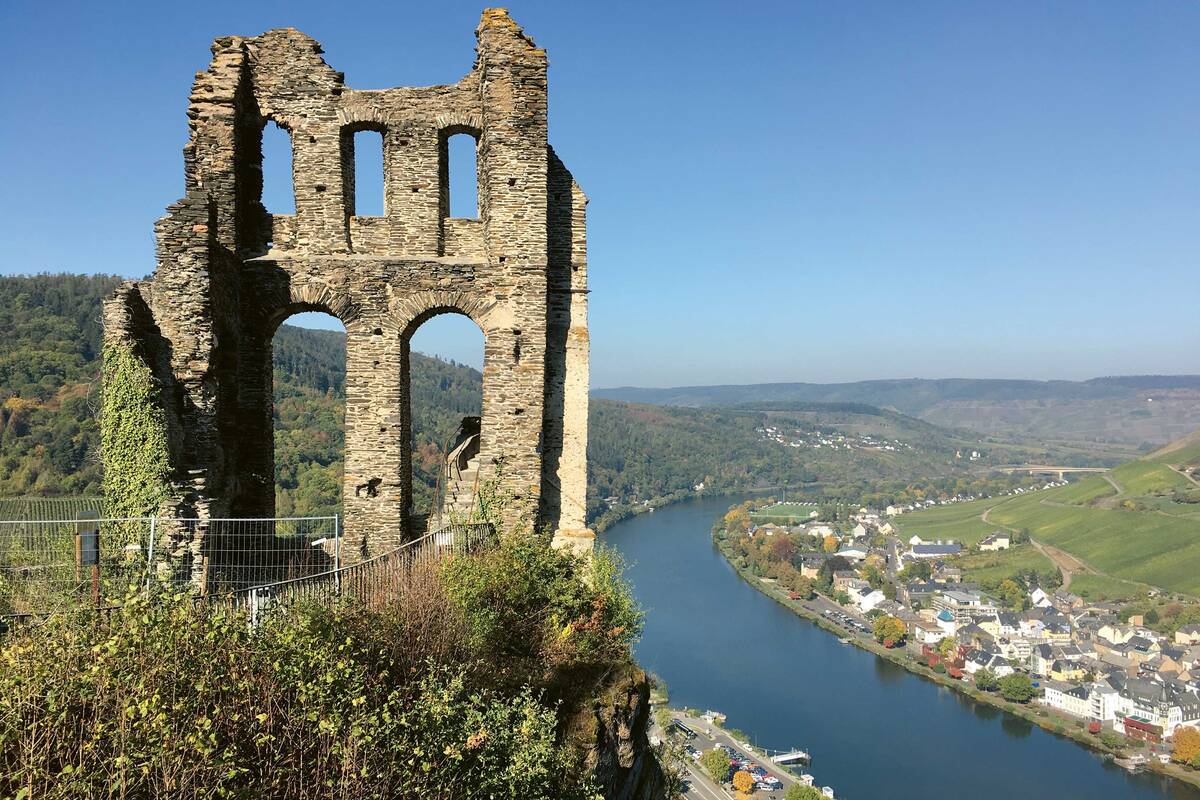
133 435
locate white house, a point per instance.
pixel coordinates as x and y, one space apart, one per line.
860 531
868 600
915 540
1067 697
1039 598
996 541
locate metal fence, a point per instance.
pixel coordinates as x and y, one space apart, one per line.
48 565
53 565
374 580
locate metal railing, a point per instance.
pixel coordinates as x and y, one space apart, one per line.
371 581
53 565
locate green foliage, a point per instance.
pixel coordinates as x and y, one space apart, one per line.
716 763
167 699
1012 594
1017 688
49 366
134 436
986 681
798 791
524 599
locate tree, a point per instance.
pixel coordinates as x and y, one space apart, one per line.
1012 594
830 544
919 570
986 681
782 549
743 782
948 647
1187 745
1017 688
716 763
798 791
889 629
737 521
1151 617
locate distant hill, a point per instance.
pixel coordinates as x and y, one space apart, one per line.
1143 411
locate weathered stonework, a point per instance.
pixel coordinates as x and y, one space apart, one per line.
229 273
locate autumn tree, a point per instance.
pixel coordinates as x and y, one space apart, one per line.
1187 744
889 630
830 544
737 521
743 782
782 549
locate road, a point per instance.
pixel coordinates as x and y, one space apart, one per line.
708 736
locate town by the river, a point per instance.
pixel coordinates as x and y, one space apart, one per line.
873 729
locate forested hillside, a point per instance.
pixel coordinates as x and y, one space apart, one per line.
637 454
49 367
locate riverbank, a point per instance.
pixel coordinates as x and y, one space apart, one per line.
1050 721
621 513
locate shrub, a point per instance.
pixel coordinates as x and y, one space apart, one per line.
169 699
525 600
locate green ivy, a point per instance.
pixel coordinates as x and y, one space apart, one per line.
133 435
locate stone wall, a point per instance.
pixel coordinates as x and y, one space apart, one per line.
229 273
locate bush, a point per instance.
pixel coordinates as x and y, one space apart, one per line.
168 699
527 601
461 681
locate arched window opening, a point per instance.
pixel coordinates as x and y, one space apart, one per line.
368 174
459 181
309 359
279 188
445 402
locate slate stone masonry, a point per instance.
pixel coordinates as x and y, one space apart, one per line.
228 273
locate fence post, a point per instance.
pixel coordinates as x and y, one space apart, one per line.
337 554
150 554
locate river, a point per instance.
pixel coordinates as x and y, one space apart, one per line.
875 731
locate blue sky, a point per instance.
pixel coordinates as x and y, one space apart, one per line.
800 191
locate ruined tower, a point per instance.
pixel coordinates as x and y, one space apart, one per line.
228 273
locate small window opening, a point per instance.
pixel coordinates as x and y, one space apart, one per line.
279 191
368 174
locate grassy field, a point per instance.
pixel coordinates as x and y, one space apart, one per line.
1141 546
1086 491
991 569
960 522
1102 587
1148 477
783 512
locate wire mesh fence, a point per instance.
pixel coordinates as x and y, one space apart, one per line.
52 565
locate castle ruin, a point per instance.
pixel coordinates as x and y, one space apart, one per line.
229 273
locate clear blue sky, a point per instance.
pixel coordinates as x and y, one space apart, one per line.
807 191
